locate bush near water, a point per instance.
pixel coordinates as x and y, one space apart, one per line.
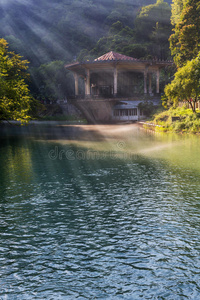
179 119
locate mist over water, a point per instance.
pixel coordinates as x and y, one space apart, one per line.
98 212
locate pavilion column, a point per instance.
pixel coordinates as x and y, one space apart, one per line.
87 82
145 81
115 80
158 81
150 83
76 83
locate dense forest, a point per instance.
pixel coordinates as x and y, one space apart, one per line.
51 33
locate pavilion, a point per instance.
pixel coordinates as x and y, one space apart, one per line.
114 85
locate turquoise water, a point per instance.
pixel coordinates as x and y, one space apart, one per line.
99 212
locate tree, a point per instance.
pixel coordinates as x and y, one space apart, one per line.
119 39
152 25
186 84
177 7
15 98
185 42
53 81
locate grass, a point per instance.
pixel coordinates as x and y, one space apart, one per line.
176 120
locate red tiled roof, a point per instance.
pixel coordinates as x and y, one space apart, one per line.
114 56
109 57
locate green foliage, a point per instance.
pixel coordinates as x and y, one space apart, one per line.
177 120
152 25
177 7
119 39
135 50
185 42
15 99
147 107
51 82
185 47
149 36
150 15
186 84
124 12
53 79
85 55
44 31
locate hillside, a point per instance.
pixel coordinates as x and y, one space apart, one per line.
43 30
51 33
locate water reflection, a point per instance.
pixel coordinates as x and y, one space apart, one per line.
115 226
127 141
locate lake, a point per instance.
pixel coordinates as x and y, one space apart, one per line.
98 212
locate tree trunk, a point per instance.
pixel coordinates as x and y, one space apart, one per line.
192 106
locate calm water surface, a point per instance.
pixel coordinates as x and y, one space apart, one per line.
99 212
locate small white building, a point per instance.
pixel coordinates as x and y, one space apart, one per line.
127 111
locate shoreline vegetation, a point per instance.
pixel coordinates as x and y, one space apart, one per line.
179 120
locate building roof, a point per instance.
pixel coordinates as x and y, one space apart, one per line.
108 57
111 58
114 56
